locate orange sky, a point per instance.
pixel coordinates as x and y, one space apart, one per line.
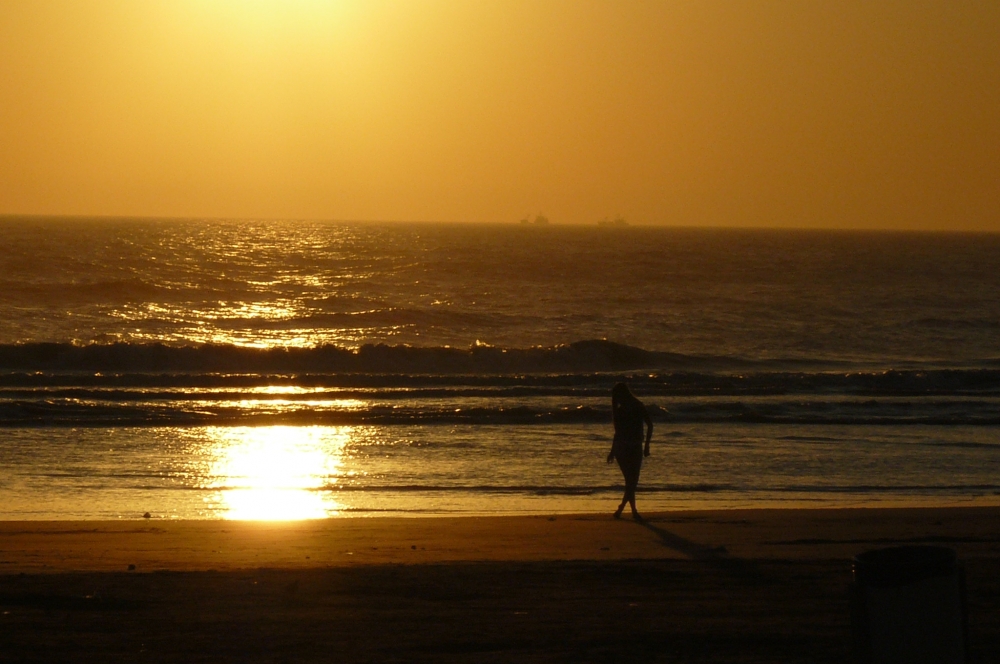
807 114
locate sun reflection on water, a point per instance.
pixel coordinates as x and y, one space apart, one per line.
277 473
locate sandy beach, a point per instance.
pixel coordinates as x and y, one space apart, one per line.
750 585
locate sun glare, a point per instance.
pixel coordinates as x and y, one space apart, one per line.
277 473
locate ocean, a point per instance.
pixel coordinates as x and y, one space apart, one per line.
300 369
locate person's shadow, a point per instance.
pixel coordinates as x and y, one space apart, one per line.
689 548
717 557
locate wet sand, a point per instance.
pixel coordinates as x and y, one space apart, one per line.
742 585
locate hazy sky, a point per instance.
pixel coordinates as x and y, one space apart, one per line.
871 113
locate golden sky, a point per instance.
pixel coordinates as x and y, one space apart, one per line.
846 113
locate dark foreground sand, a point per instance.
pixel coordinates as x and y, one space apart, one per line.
729 586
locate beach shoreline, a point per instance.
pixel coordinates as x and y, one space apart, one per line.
192 545
705 586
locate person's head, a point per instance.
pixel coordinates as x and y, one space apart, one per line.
620 393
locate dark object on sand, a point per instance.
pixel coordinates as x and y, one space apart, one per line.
908 605
147 515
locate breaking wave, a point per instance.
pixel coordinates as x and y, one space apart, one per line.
123 384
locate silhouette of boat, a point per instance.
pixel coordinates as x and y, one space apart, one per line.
617 221
539 220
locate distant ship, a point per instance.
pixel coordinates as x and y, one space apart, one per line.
539 219
617 221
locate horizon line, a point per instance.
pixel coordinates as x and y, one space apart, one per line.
518 223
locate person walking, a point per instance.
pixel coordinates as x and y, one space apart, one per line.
629 416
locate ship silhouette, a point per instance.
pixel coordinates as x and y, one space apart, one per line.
539 220
617 221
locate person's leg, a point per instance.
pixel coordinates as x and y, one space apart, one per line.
621 507
632 482
630 465
624 467
630 487
631 472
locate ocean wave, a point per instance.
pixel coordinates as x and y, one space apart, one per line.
886 488
53 412
563 369
651 488
131 289
973 323
74 412
535 489
118 386
592 355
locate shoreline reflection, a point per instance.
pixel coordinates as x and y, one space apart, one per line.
276 473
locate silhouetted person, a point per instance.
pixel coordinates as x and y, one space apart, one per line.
629 414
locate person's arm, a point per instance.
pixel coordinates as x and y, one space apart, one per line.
649 430
614 418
